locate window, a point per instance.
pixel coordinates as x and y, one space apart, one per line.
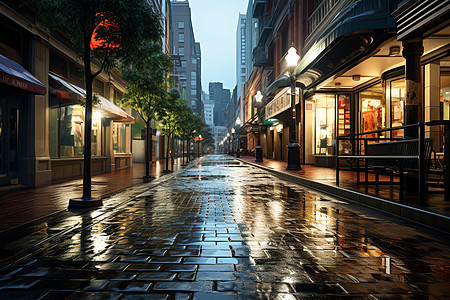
181 37
193 75
193 103
181 50
194 61
242 70
373 110
119 137
242 78
194 92
66 125
193 82
181 25
325 126
98 87
183 63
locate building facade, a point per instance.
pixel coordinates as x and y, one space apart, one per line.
363 67
42 130
183 45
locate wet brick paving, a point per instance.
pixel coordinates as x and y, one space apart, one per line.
225 230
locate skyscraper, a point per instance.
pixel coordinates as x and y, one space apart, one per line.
241 53
184 47
221 98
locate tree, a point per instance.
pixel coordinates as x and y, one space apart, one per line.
169 123
106 32
147 90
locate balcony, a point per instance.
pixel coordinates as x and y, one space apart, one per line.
260 56
258 8
319 14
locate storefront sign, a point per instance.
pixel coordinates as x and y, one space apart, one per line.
271 121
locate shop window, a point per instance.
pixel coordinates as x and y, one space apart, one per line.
373 110
71 131
120 138
66 124
325 124
397 96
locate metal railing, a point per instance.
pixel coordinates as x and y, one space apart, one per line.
319 14
359 155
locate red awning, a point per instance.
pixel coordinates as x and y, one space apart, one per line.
13 74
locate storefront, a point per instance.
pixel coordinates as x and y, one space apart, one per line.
17 87
111 132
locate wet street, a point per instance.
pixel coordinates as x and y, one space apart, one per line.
222 229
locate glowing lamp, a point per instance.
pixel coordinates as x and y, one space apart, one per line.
292 57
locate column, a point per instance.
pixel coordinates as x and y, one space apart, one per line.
43 168
431 101
412 51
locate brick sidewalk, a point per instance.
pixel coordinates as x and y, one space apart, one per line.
21 206
434 202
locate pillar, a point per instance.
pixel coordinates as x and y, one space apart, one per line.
43 168
412 52
431 101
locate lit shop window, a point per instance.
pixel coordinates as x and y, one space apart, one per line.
325 125
120 137
397 95
373 111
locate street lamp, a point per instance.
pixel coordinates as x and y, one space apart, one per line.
238 123
233 131
293 148
258 149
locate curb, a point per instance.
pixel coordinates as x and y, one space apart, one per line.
417 215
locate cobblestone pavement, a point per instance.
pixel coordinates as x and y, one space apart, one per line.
224 230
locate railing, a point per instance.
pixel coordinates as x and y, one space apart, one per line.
319 14
359 154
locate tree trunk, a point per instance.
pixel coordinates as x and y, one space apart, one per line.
182 143
167 152
87 122
173 148
148 155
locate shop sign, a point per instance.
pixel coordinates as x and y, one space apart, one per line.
271 121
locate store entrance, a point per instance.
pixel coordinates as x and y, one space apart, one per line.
9 120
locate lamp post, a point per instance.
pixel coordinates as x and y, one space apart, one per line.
293 148
233 131
258 149
238 124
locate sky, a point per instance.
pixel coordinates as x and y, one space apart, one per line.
215 24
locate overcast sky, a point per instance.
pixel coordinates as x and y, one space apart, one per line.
215 28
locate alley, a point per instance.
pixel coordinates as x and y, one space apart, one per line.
221 229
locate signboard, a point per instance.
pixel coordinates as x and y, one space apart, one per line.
271 121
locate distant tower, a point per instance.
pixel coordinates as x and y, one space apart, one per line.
241 53
184 47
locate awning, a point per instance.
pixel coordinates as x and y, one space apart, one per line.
355 33
105 107
11 73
